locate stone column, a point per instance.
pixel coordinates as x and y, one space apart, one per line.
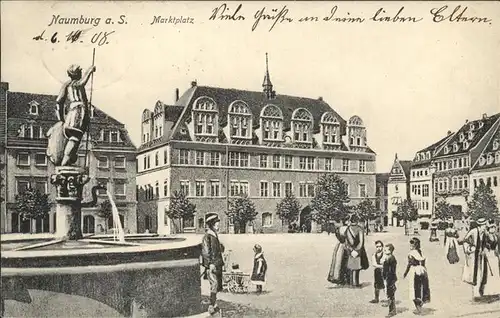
69 182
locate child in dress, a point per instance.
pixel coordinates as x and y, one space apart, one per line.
259 268
390 277
377 263
418 279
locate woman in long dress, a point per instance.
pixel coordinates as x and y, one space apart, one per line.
451 244
492 254
338 273
418 279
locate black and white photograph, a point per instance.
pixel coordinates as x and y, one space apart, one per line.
250 159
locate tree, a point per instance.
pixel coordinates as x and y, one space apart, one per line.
407 212
105 212
483 203
241 211
366 211
32 204
288 209
180 208
330 200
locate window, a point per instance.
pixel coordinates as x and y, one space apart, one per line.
302 190
496 144
238 159
482 161
23 159
102 162
345 164
165 188
120 162
267 219
271 121
329 164
41 186
490 159
263 161
184 187
115 136
214 158
40 159
183 156
276 189
238 188
22 185
466 182
33 107
200 158
276 161
103 182
310 189
288 162
214 188
120 187
306 163
362 166
165 156
425 190
205 116
157 159
495 181
362 190
264 189
240 120
288 188
200 188
302 121
157 189
497 157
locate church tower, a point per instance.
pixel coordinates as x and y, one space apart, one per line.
267 85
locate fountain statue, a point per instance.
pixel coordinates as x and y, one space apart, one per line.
138 275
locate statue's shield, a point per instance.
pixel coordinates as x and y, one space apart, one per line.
57 142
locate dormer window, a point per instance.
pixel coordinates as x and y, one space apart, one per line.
240 120
466 145
470 135
330 127
110 135
481 124
356 132
497 157
471 126
455 147
461 137
496 144
33 107
428 155
482 161
490 159
302 124
271 123
205 114
446 150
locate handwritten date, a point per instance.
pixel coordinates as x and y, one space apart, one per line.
77 36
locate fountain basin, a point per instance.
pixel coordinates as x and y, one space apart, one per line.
147 276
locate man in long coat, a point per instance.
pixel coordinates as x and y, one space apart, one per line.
213 260
476 268
355 245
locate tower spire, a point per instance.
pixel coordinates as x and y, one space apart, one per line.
267 85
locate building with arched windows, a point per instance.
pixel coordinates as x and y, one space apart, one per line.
25 119
218 143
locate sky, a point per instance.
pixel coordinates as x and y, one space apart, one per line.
409 82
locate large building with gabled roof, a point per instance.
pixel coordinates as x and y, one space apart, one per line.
25 119
398 188
217 143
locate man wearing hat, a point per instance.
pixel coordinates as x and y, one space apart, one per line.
213 261
476 268
355 245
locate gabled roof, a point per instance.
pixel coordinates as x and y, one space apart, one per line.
481 127
437 144
256 101
489 151
406 165
18 112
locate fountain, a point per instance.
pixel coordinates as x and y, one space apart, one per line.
137 275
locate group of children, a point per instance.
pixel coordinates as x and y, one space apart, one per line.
385 277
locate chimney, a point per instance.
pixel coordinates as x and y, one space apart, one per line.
485 116
194 83
449 133
320 98
176 94
466 121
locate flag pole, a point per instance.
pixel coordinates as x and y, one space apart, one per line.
90 110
